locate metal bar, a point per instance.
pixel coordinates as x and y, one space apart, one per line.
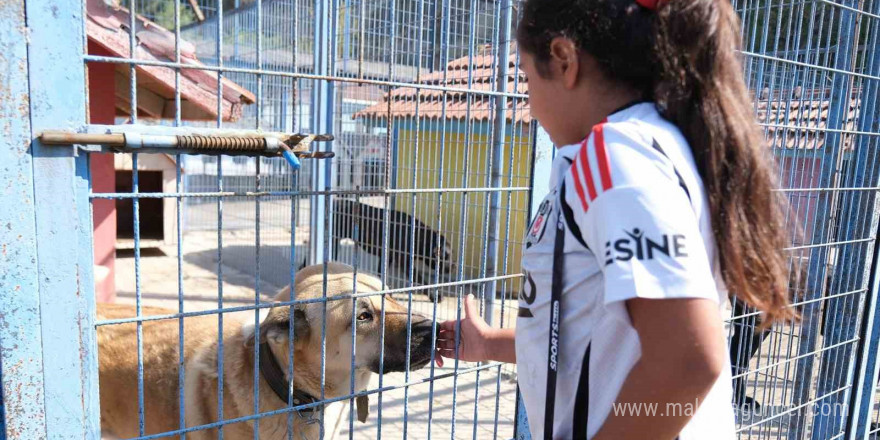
62 219
850 8
828 244
218 131
324 402
322 104
134 142
497 153
521 423
138 295
269 305
178 170
445 13
326 192
220 355
135 137
21 356
386 224
412 237
841 98
308 76
861 404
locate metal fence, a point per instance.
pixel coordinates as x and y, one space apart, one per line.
438 167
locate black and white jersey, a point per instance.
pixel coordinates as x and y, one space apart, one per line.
637 225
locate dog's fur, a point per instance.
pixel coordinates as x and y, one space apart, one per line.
431 247
118 358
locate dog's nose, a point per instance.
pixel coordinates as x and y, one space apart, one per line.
422 323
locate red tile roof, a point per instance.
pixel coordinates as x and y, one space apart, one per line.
791 123
802 123
457 105
108 27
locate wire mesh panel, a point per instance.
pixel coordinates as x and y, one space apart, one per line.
425 201
811 67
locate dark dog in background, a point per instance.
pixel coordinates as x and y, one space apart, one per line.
430 253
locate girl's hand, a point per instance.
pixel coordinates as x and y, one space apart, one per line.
474 336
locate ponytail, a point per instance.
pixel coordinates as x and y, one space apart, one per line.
695 78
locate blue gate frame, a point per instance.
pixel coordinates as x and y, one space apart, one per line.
48 349
48 353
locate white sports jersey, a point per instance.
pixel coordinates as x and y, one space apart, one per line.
637 225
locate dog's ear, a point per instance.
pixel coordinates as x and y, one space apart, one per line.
277 325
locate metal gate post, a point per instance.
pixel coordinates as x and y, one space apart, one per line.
858 220
322 108
48 344
21 363
864 385
841 95
499 132
862 402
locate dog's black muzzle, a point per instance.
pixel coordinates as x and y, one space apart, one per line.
420 347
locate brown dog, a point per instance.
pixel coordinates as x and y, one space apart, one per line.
118 360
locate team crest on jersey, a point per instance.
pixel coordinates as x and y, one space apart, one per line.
539 224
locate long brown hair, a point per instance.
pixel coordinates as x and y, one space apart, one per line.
683 55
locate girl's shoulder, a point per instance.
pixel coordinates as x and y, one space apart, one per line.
637 151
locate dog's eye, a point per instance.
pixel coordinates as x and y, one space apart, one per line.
365 316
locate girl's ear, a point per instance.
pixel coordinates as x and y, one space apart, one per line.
565 61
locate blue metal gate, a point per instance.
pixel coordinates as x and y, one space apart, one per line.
430 124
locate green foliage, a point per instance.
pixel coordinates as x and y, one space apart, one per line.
162 11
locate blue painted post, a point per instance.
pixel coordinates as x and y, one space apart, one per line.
841 95
2 412
321 122
521 427
862 403
46 270
21 362
63 220
395 153
864 386
499 134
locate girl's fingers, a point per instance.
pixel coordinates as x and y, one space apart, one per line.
446 344
447 326
446 334
447 353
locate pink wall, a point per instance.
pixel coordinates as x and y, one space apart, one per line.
102 110
802 172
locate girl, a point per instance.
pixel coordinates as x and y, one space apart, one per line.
660 201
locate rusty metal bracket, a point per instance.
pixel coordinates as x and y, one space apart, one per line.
290 146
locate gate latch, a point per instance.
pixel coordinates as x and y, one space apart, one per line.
290 147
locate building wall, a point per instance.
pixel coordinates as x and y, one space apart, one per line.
801 172
462 159
102 110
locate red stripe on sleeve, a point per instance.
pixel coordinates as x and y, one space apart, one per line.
602 157
577 185
588 173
